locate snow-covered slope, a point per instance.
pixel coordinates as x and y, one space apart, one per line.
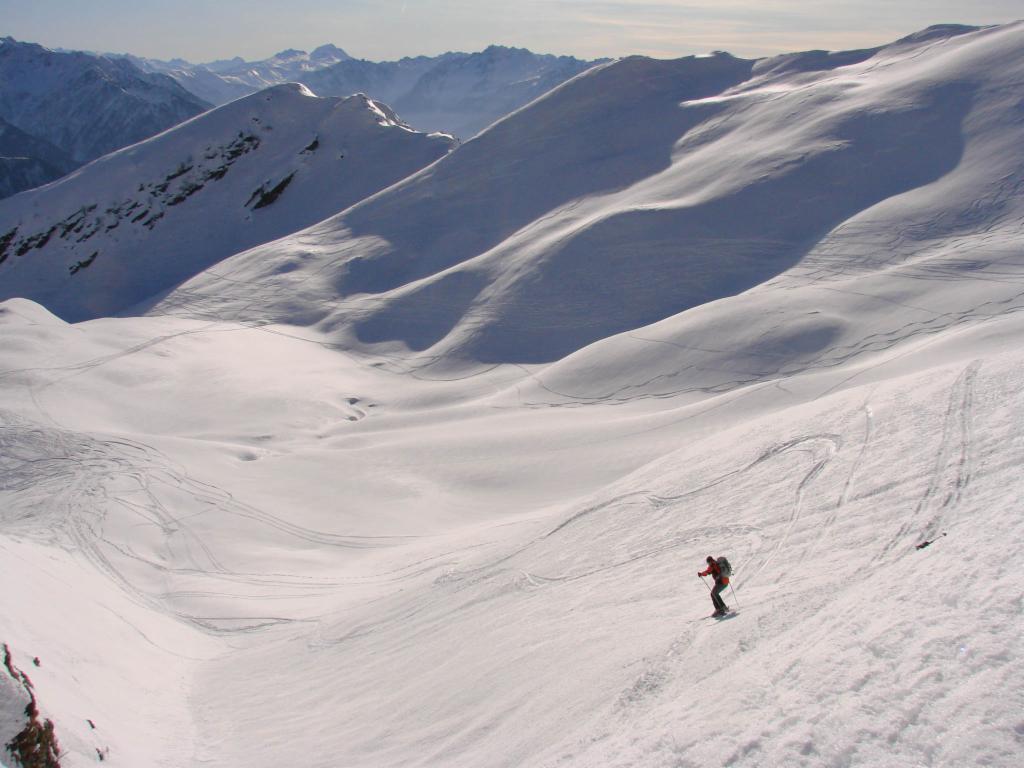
737 176
232 546
86 105
141 220
337 501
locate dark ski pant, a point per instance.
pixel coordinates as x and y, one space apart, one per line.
716 596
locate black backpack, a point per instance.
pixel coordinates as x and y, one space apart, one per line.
723 564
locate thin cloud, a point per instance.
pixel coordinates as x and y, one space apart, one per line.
665 28
390 29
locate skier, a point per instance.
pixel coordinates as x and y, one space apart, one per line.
721 582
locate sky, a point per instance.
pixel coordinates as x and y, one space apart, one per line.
382 30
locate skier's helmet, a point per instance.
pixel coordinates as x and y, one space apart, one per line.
710 559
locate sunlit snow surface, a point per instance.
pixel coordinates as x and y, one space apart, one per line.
438 495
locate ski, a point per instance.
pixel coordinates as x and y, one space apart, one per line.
727 615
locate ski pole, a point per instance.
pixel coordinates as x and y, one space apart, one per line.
734 594
704 582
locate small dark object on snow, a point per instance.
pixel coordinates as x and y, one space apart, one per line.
37 662
924 544
91 723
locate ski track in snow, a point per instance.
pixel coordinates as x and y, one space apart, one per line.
844 496
819 448
91 480
782 504
793 611
952 471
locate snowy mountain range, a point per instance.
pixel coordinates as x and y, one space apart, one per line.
219 82
428 482
457 93
85 106
145 218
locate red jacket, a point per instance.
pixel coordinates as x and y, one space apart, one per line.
714 570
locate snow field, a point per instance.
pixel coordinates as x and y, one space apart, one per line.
564 626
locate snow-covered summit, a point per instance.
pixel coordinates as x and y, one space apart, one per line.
328 54
145 218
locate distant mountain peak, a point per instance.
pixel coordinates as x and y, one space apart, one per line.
328 51
225 64
289 53
35 47
494 49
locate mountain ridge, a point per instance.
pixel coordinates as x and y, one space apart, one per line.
141 220
453 92
86 105
72 107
